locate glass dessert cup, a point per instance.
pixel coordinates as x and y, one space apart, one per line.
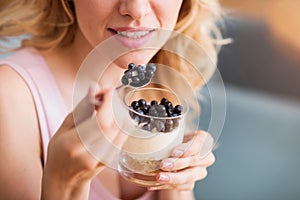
152 138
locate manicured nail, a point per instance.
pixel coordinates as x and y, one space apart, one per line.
167 165
152 188
164 177
177 153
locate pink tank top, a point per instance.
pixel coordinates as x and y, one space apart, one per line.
51 110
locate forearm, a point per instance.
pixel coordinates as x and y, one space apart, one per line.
175 194
54 189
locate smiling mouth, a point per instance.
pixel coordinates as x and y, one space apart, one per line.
132 34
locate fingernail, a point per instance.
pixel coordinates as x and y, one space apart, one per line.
167 165
152 188
177 153
164 177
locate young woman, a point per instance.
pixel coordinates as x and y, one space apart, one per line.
41 154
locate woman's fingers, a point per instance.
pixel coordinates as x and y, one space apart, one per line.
186 176
186 164
104 114
107 121
80 140
173 164
86 107
92 102
182 187
192 147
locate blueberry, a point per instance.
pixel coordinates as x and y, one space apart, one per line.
151 67
149 75
138 84
162 113
176 122
169 108
158 111
126 71
169 111
142 67
147 127
153 112
159 125
169 129
124 80
169 122
163 101
157 107
154 102
144 120
135 105
139 69
128 74
142 82
161 110
178 109
168 104
169 125
142 102
135 118
135 79
160 107
142 75
132 115
131 65
140 112
145 108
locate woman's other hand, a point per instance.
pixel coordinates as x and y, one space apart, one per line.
184 167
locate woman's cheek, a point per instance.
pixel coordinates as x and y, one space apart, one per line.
168 14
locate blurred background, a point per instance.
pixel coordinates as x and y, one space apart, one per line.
258 153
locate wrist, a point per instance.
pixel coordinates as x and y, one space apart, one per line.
176 194
57 188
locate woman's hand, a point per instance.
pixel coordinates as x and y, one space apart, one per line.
184 167
69 166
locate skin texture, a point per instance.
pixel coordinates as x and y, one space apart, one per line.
69 167
114 14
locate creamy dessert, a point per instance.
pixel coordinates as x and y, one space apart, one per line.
160 127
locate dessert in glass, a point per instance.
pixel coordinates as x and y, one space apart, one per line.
159 117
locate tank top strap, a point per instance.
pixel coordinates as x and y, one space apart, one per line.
50 107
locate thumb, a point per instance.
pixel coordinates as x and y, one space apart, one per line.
84 109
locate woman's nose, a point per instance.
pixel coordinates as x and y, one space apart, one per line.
136 9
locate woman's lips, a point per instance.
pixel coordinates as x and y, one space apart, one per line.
132 37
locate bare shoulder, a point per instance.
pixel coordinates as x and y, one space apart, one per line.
20 146
15 95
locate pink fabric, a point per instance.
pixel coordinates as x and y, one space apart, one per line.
50 106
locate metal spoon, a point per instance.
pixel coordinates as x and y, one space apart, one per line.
136 76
